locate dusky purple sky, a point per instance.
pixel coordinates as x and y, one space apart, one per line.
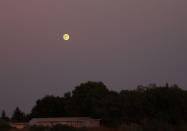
123 43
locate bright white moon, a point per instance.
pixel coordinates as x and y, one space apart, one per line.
66 37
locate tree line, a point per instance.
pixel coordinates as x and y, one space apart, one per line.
141 106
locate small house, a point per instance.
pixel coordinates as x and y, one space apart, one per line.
77 122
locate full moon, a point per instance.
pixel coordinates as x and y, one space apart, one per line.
66 37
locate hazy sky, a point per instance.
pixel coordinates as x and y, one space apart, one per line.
123 43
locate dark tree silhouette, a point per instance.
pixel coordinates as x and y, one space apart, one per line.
4 116
18 116
49 106
144 105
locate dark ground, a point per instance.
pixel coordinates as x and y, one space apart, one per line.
91 129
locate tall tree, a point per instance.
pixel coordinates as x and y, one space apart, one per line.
87 98
4 116
18 116
49 106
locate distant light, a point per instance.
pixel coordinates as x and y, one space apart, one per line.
66 37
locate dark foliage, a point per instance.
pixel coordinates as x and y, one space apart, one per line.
19 116
66 128
49 106
145 106
39 128
4 126
145 103
4 116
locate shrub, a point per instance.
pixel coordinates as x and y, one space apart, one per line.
66 128
39 128
131 127
62 128
4 125
155 125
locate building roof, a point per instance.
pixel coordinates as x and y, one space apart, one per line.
14 123
58 119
